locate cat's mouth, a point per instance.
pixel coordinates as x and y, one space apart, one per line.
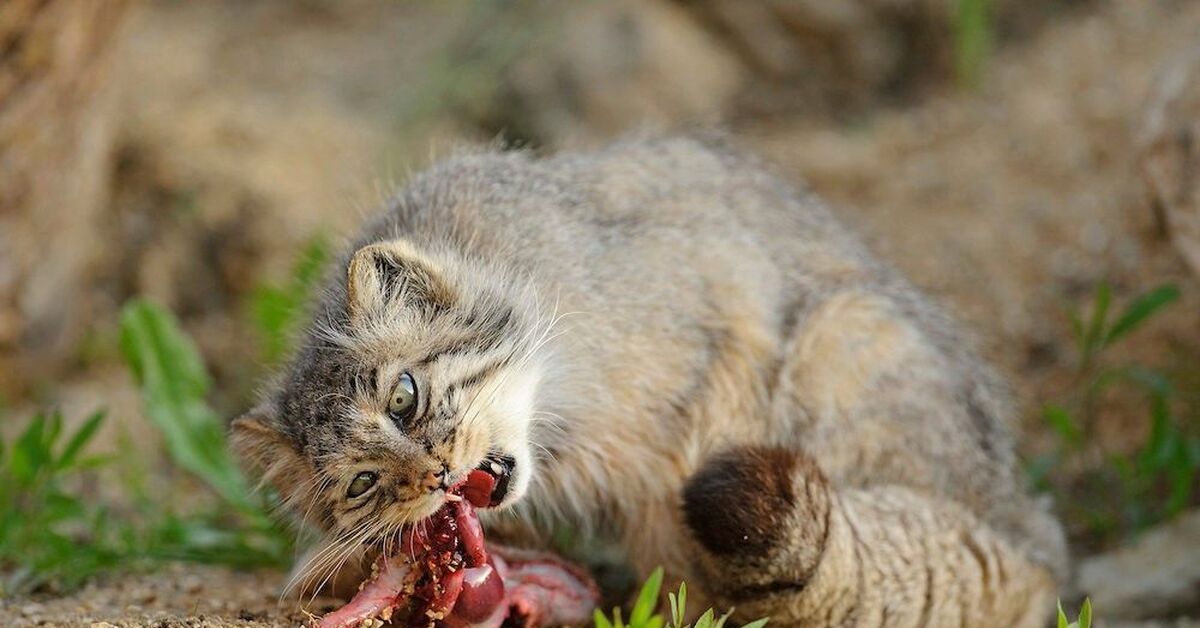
500 467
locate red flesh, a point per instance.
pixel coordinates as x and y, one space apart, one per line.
478 488
376 599
444 576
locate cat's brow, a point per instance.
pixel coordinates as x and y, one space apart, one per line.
480 373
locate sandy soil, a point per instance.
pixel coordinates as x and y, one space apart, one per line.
181 595
1009 205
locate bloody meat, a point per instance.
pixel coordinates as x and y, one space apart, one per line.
446 576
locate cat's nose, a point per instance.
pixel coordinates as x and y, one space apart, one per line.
434 480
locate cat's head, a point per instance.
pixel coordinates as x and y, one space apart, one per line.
415 371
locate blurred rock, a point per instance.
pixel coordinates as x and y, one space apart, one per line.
1158 575
1170 153
601 67
56 129
803 52
816 55
606 67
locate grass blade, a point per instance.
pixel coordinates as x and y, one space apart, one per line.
28 454
278 309
1094 333
1140 310
973 40
79 439
174 389
647 599
1085 614
1064 424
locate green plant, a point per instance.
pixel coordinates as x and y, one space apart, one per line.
1083 621
48 534
1156 481
466 77
51 535
1097 334
644 615
972 40
277 309
174 385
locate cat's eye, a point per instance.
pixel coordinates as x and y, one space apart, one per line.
402 405
361 484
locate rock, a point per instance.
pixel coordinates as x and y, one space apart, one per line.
595 68
1156 576
1170 153
612 66
56 130
816 54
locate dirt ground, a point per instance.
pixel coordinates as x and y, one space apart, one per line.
1008 204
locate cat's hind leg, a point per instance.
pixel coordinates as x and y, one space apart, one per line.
777 539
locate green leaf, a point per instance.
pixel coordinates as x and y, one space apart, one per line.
174 389
600 620
647 599
50 435
706 620
1085 614
1062 617
972 40
1150 380
29 453
78 440
278 310
682 601
758 623
1064 424
1077 329
1095 327
1141 309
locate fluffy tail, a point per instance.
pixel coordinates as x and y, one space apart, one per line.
778 540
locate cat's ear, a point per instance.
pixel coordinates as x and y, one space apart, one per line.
265 450
394 273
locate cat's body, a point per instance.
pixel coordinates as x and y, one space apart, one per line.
677 349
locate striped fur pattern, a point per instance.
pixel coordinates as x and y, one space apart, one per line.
684 355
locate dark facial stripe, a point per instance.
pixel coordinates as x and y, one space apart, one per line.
480 374
480 335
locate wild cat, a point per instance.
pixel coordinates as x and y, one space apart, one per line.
663 344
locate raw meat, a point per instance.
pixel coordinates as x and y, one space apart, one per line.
445 576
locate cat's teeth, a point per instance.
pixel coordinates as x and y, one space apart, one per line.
497 469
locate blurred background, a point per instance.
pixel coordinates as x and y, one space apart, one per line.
172 175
